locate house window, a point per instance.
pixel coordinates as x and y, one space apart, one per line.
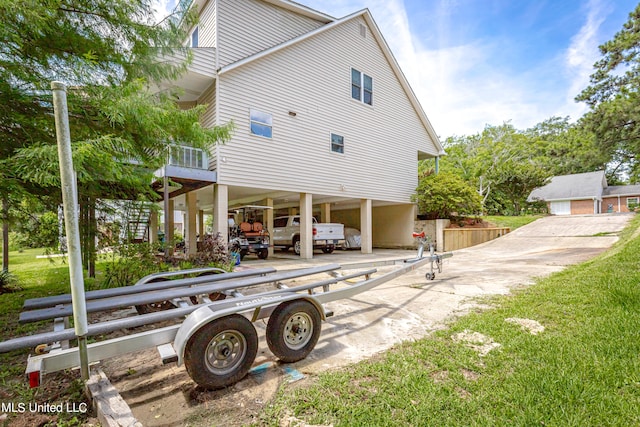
337 143
632 202
361 87
261 123
194 38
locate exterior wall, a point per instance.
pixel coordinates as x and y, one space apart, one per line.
392 225
250 26
209 119
582 207
619 204
207 35
312 79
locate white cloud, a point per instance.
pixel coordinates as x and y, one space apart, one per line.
583 51
162 8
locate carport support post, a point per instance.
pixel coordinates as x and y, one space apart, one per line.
268 219
191 235
306 226
366 238
71 222
325 212
220 211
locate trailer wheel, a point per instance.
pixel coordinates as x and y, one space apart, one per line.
214 296
293 330
430 276
328 249
221 352
153 307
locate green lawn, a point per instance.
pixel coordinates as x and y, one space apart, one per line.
582 370
512 222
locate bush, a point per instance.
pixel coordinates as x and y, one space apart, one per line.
8 282
132 261
445 195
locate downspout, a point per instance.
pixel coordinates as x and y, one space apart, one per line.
437 164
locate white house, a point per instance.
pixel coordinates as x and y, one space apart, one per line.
325 121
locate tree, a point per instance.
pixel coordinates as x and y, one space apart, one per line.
444 195
614 99
107 52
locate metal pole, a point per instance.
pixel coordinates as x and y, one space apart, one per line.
5 235
70 205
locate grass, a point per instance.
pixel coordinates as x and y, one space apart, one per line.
512 222
583 370
37 277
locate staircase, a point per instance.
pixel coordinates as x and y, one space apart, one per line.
136 219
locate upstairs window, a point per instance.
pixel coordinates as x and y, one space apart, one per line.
361 87
261 124
337 143
194 38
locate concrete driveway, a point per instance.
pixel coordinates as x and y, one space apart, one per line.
409 307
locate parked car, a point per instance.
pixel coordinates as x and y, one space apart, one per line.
286 234
351 238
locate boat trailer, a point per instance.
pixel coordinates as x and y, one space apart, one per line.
213 313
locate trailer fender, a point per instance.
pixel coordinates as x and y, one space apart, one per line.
252 307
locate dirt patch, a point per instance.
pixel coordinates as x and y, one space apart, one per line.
160 395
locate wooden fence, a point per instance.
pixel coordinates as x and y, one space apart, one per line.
458 238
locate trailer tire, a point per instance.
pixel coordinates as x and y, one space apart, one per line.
221 352
214 296
155 306
293 330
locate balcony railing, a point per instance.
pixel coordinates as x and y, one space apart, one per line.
188 157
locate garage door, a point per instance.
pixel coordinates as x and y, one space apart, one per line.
561 208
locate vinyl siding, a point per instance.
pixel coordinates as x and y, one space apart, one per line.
313 79
207 25
208 119
250 26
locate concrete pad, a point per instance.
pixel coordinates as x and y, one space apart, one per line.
407 308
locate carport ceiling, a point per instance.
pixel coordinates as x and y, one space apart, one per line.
281 199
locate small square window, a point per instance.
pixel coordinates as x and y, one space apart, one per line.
261 124
337 143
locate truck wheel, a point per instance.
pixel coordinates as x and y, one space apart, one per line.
263 253
293 330
243 253
328 249
153 307
296 245
221 352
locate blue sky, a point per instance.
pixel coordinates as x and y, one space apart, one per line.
478 62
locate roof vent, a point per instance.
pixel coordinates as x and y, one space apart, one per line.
363 30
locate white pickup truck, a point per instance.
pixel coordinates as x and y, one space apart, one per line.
286 234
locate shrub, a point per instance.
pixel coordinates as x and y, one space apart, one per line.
445 195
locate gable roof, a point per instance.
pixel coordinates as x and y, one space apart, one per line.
364 13
578 186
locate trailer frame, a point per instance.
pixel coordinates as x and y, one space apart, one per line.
215 336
